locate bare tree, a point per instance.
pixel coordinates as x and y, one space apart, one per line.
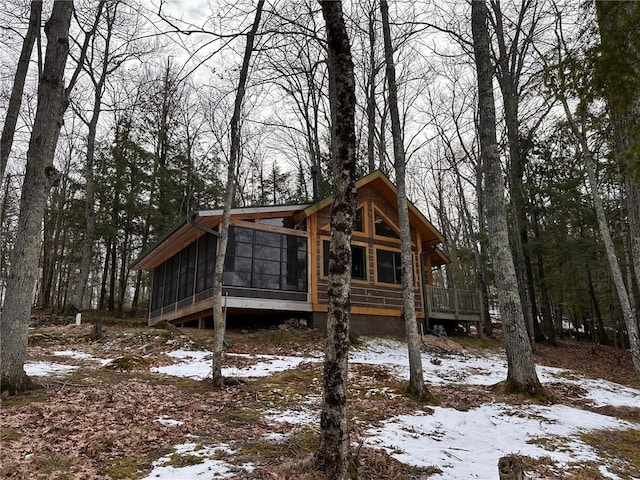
13 109
40 176
619 72
521 374
234 153
101 63
332 456
416 376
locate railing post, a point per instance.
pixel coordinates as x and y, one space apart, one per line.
456 307
481 322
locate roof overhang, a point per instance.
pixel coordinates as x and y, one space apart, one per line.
185 232
378 180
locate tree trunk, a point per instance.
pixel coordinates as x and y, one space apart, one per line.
548 327
234 153
521 375
332 456
40 176
416 376
371 93
510 468
508 79
15 101
628 314
620 73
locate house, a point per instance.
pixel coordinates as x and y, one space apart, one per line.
277 261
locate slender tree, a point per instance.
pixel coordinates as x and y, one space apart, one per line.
234 154
332 456
15 100
416 376
618 73
40 176
521 374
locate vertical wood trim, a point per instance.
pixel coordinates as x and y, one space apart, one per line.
314 273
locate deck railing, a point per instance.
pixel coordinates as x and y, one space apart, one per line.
453 303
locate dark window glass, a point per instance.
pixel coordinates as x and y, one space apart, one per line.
237 279
187 271
201 265
271 282
268 239
240 234
389 266
270 260
358 221
383 229
269 253
171 282
358 260
158 287
266 266
243 250
211 260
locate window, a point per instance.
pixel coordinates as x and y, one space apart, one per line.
205 264
269 260
389 266
358 221
187 271
358 260
255 259
383 229
158 287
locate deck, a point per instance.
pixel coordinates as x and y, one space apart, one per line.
453 304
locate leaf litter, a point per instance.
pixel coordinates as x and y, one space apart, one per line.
164 420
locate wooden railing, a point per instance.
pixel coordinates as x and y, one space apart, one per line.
453 303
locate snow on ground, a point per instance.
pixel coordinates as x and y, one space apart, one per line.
205 463
45 369
465 445
197 365
79 355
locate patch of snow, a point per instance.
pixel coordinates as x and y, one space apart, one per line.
467 445
209 468
169 421
44 369
294 417
197 365
274 437
73 354
80 355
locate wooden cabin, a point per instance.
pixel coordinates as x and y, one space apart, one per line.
277 261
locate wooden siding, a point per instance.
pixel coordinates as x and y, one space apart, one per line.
368 297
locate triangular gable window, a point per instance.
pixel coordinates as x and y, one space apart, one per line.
358 222
383 229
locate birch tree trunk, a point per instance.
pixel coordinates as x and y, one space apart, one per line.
416 376
15 100
332 456
234 152
521 374
40 176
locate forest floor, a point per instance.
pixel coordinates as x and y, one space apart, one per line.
138 403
